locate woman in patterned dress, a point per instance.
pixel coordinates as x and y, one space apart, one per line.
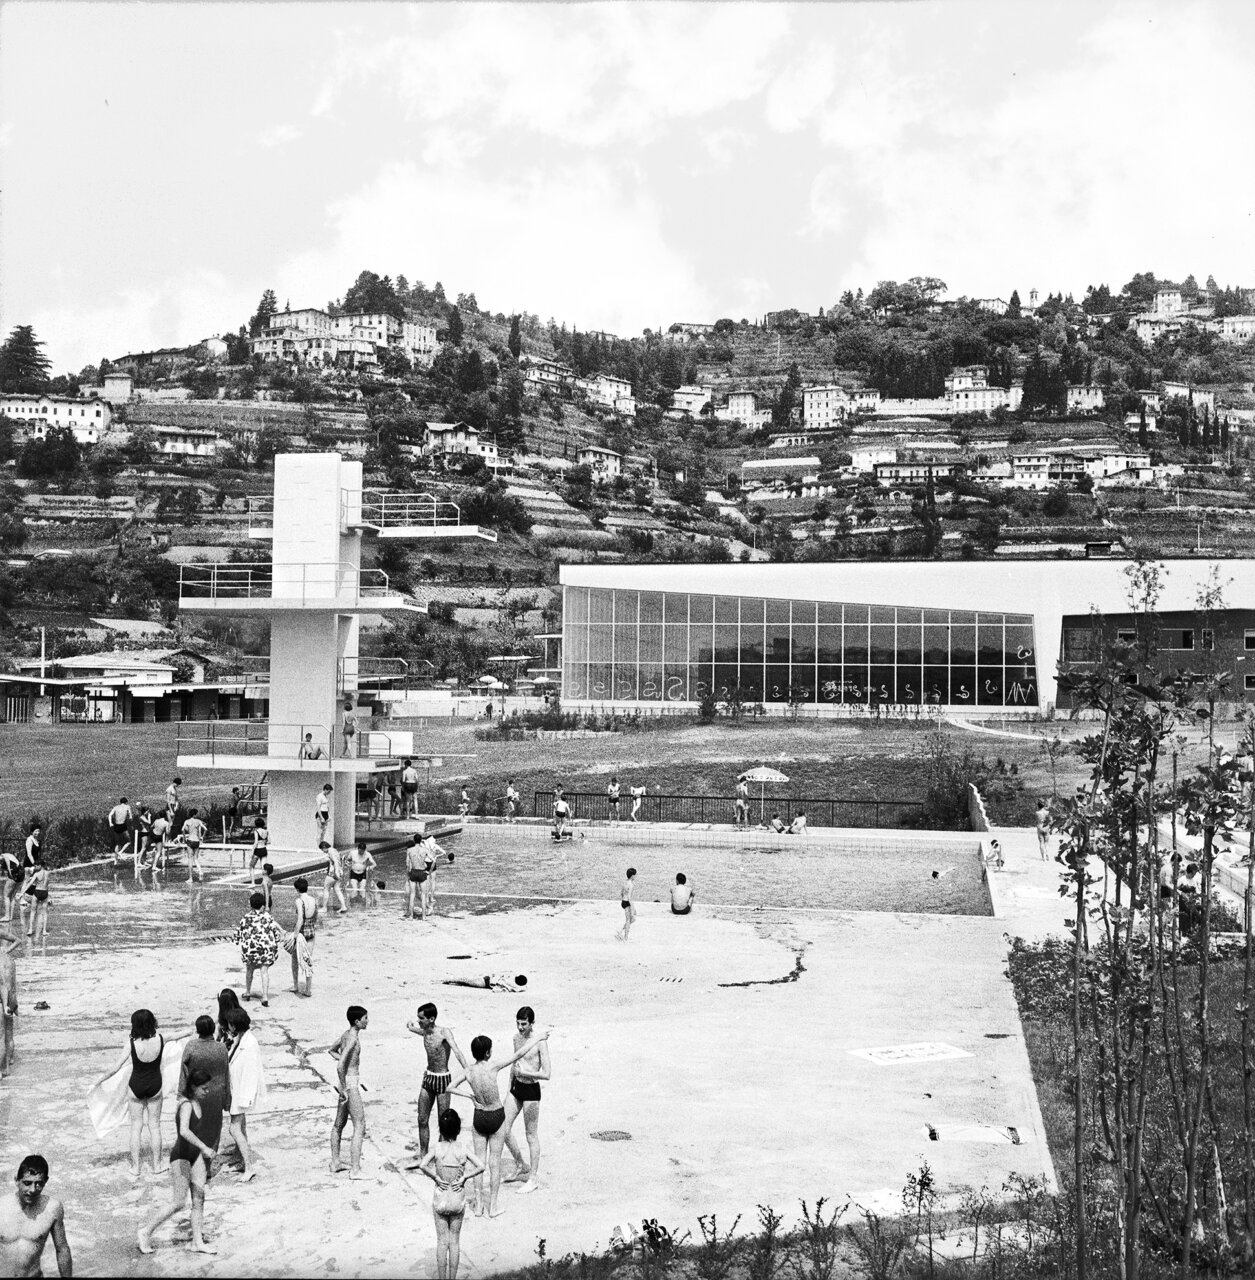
258 937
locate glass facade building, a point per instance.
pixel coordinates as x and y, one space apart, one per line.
629 646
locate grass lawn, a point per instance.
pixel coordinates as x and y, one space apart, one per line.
60 770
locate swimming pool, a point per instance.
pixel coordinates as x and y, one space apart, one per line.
504 868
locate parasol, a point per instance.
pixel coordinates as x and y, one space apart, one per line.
762 775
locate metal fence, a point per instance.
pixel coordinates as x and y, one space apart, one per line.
595 805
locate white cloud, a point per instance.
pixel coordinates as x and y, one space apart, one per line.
799 91
198 303
581 244
277 135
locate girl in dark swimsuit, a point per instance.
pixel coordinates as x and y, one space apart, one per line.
11 878
199 1128
144 1053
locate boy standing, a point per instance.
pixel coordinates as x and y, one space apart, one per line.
350 1106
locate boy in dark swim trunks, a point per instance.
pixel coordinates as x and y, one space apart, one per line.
439 1043
415 877
489 1121
525 1076
361 864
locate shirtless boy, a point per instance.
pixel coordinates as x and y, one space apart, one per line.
194 831
27 1219
439 1043
333 881
415 879
625 901
360 866
525 1076
348 1051
489 1121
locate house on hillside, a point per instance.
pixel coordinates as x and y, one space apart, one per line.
691 400
605 464
1168 302
186 442
539 372
614 393
913 473
38 414
996 306
451 441
1236 328
1187 392
824 406
1084 399
743 407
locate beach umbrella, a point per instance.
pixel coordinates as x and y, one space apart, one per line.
762 775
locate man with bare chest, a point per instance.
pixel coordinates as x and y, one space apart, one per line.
27 1219
439 1044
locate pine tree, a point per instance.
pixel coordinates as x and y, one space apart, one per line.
455 326
1013 307
1143 439
260 319
23 365
515 341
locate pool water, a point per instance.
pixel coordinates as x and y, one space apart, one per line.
502 869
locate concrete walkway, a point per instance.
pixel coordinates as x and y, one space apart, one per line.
751 1057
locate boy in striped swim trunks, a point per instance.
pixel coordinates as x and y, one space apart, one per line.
439 1043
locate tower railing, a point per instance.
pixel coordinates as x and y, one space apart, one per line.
392 510
263 738
361 673
267 581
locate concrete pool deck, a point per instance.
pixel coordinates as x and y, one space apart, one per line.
728 1044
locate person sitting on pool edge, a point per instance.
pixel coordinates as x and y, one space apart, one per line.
776 824
683 895
798 825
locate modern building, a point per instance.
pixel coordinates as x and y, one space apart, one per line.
975 637
39 414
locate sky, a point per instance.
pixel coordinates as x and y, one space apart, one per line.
612 166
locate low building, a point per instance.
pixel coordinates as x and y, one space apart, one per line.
975 637
1194 395
997 306
1087 399
185 442
605 464
767 471
1236 328
39 414
691 399
684 329
913 473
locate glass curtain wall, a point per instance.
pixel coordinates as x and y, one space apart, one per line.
654 646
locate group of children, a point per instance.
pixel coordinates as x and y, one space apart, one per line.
25 885
150 837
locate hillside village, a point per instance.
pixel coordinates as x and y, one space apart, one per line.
899 424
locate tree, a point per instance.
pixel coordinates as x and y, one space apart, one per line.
455 326
266 308
515 341
786 401
57 454
371 294
1143 437
237 346
23 365
1056 503
1014 310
